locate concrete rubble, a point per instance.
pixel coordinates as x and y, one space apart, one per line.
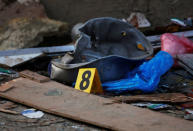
29 32
10 9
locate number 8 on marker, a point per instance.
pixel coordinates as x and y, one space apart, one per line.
84 84
88 81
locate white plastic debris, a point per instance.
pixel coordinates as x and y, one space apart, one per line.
32 113
178 22
141 104
139 20
189 111
189 114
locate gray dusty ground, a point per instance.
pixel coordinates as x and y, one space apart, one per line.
48 122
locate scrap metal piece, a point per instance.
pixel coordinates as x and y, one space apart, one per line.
186 61
11 58
47 50
156 38
12 61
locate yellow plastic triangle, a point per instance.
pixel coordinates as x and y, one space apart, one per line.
88 81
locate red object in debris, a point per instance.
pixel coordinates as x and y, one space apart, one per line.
187 105
175 45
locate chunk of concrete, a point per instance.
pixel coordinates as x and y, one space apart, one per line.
29 32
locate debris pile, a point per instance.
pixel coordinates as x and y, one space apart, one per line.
111 59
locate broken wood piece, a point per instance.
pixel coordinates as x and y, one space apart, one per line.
5 87
8 111
166 97
34 76
8 105
89 108
187 105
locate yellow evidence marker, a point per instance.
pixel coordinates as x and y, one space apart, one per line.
88 81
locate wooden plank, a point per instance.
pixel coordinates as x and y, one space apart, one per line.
92 109
7 105
164 97
8 111
5 87
34 76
